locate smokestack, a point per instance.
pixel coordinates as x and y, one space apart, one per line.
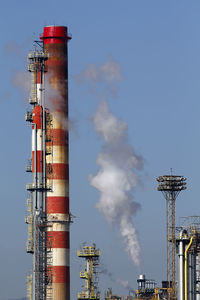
55 40
48 214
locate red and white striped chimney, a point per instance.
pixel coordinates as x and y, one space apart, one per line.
55 40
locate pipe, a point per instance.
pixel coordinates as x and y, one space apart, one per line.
190 277
194 275
181 265
186 251
197 277
34 149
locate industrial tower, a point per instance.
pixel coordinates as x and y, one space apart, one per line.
48 201
91 255
171 186
188 244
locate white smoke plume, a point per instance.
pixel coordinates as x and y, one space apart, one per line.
107 74
22 81
11 47
55 93
55 101
117 178
123 283
16 49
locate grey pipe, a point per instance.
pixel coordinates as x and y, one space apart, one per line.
181 264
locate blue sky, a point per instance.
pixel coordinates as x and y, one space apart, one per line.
157 44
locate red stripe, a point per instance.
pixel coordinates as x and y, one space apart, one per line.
39 161
37 116
60 137
57 205
60 274
39 77
58 239
59 171
54 41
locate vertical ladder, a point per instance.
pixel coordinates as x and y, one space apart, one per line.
49 258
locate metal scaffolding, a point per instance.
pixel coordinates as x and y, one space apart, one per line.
171 186
188 243
36 217
91 255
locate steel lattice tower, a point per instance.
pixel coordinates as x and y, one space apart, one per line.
171 186
91 255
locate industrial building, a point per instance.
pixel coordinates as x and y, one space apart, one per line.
48 214
182 241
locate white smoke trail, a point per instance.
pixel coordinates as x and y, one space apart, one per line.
107 72
123 283
22 81
55 101
116 177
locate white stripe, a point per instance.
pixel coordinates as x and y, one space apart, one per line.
33 139
59 120
59 188
39 139
60 154
39 93
61 227
58 226
60 257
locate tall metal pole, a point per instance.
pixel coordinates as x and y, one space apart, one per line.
171 186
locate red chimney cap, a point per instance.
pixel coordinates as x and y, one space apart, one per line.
55 34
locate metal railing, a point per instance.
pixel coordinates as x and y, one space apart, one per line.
32 187
29 166
28 116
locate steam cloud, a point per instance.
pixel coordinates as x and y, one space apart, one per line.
117 178
125 284
117 160
20 80
55 92
56 101
107 72
13 48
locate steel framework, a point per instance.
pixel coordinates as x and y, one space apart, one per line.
171 186
189 257
90 275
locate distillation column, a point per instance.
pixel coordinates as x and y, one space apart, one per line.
55 39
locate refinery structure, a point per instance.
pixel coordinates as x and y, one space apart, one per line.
48 215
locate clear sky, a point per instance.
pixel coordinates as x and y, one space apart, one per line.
157 45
